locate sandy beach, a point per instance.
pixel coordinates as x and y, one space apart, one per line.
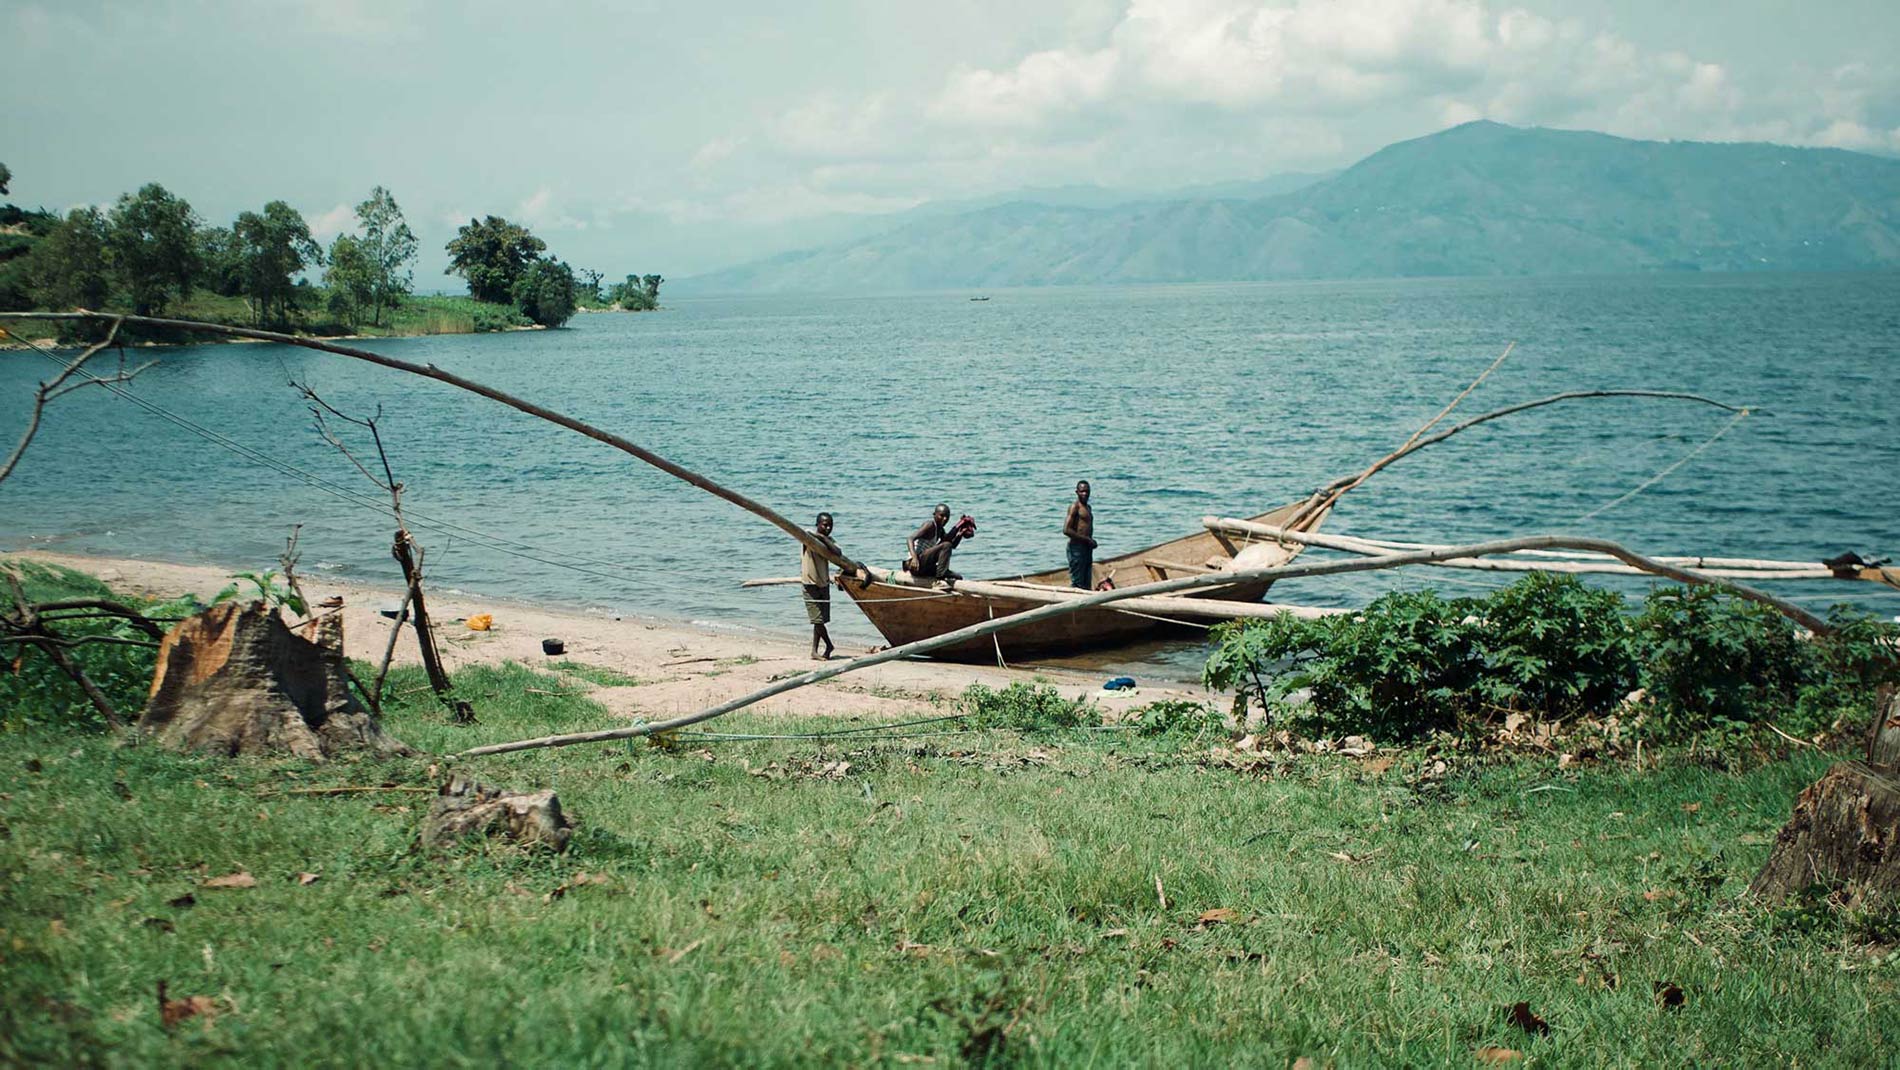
680 668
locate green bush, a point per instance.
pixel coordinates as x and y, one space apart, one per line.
1414 663
1711 658
1408 665
1556 646
35 691
1026 708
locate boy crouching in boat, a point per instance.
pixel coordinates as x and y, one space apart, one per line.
814 576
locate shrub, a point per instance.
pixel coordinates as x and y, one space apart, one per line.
1556 646
1174 717
1026 708
1711 658
1414 663
1408 665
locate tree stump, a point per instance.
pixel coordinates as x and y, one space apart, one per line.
467 808
235 680
1845 834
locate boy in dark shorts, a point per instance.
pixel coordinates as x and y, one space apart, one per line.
814 577
1079 526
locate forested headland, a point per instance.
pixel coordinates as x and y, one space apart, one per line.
150 253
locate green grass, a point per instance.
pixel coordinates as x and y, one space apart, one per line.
958 896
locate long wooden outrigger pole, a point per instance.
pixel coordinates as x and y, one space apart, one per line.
1103 598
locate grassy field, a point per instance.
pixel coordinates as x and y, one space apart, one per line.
937 896
941 899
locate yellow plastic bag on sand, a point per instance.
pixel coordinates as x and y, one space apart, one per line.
480 622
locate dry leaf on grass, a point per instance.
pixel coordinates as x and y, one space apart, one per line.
1690 808
307 878
1216 916
1498 1055
1526 1019
240 879
173 1011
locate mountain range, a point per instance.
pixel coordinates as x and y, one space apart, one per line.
1478 199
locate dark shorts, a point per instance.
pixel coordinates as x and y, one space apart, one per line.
817 603
1081 565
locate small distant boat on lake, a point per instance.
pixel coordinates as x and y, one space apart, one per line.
983 298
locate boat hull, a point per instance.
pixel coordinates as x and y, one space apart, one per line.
905 613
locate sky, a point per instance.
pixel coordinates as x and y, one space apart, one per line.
673 138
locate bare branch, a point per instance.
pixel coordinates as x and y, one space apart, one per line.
1327 495
57 385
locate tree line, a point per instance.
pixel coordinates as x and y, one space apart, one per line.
150 251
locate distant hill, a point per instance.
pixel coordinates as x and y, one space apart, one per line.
1477 199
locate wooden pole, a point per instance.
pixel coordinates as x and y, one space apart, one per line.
461 711
1104 598
389 649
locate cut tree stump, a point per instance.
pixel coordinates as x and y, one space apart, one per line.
467 808
235 680
1845 835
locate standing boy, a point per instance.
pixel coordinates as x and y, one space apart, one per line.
1079 526
814 577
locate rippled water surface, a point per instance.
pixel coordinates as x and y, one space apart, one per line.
1174 401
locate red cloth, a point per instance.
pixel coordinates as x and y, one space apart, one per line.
964 528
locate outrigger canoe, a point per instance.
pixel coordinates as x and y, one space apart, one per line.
905 610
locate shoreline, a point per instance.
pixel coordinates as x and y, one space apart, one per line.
680 666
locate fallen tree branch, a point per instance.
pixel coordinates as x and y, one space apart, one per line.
430 371
1103 598
48 639
29 626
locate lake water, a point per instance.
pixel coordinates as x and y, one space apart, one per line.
1175 402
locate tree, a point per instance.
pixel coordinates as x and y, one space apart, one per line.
587 283
491 254
651 284
151 247
388 247
221 265
6 178
350 277
272 246
545 292
67 268
634 295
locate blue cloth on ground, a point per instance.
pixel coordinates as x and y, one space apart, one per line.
1120 683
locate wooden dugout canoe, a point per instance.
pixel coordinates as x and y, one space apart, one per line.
904 611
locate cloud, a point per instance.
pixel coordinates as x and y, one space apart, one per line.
1172 92
327 225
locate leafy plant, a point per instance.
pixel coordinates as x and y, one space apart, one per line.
1710 657
1175 717
1555 646
1026 708
268 590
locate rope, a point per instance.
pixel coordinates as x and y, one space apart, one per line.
1660 476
